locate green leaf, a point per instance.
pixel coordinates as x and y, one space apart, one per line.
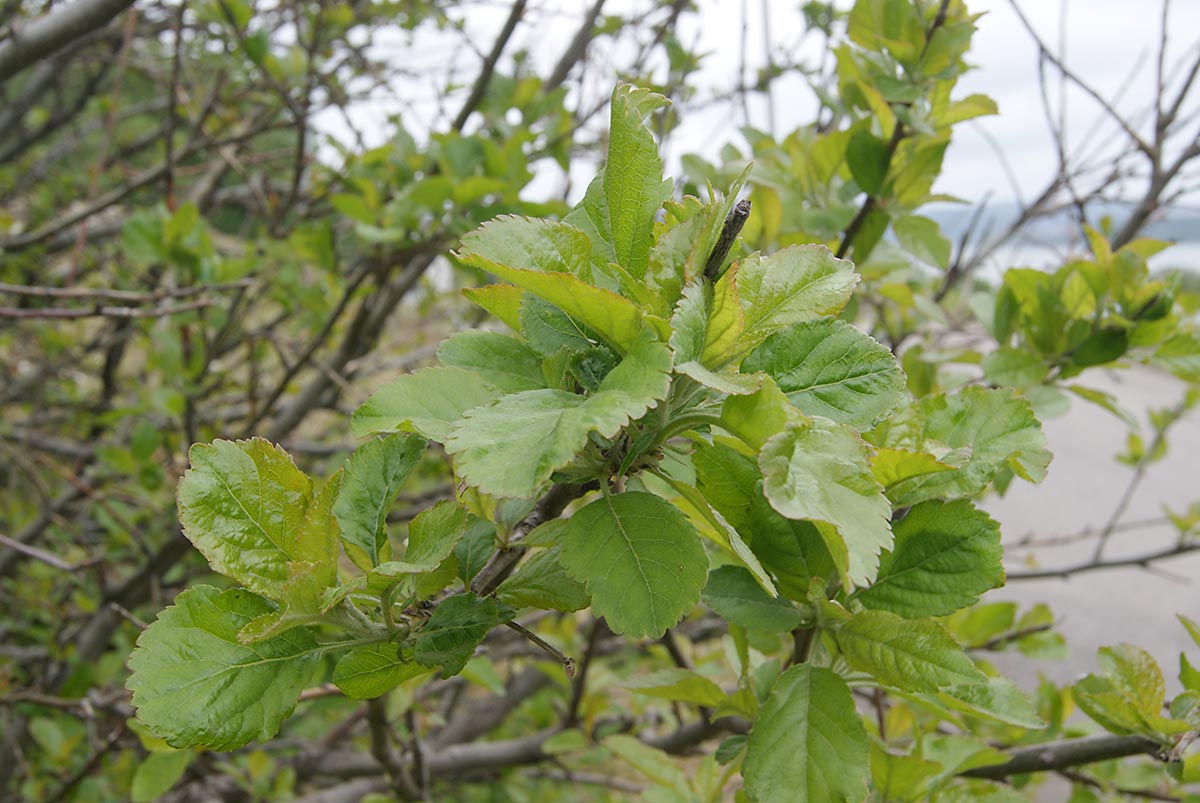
528 243
1100 347
503 360
820 471
455 629
868 158
999 700
158 773
793 551
757 417
502 300
641 560
829 368
712 525
654 764
946 554
511 447
194 684
373 477
896 469
923 238
689 334
1128 696
808 744
1180 354
997 426
301 603
795 284
634 189
250 512
373 670
681 252
551 332
541 582
590 215
1014 368
680 685
892 25
432 536
472 552
910 654
739 599
427 401
902 778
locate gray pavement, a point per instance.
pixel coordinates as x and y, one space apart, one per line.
1083 487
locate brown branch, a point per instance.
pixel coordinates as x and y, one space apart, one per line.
503 561
1142 561
489 65
127 296
575 51
730 230
1069 753
44 36
101 311
1045 53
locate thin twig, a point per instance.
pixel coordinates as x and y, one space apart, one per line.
730 230
567 661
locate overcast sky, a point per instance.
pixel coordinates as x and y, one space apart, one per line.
1106 42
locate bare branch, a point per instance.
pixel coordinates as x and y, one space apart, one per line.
44 36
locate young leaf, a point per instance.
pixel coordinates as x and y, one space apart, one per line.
250 511
827 367
455 629
759 416
509 448
946 554
541 582
808 744
301 603
997 426
194 684
820 471
999 700
897 469
910 654
427 401
432 536
795 284
689 333
373 670
373 477
503 360
633 184
640 559
739 599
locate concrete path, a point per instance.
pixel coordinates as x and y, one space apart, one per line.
1082 489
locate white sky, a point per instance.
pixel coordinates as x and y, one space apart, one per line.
1106 41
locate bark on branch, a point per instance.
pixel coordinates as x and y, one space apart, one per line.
44 36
